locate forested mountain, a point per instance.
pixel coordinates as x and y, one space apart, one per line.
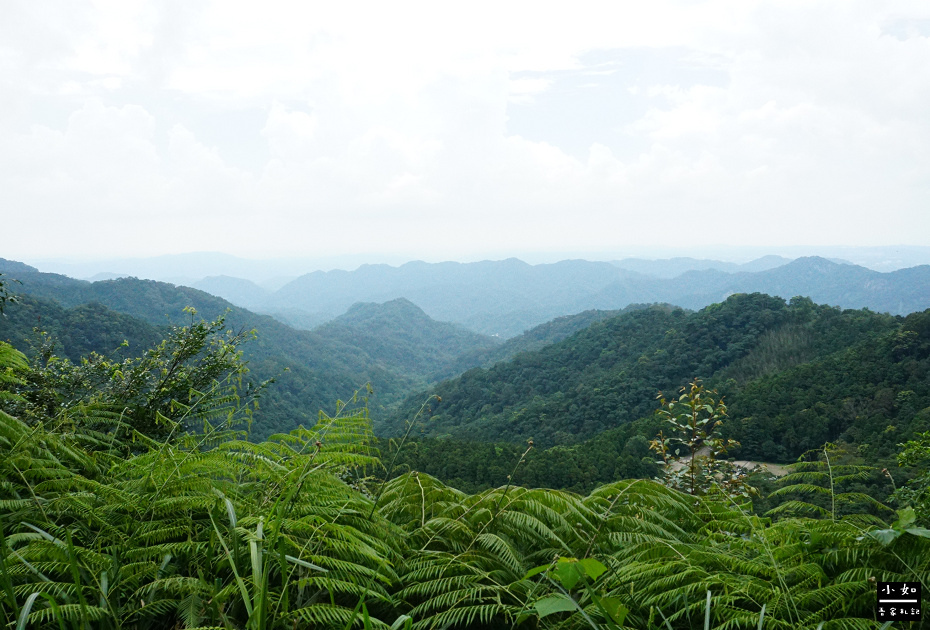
400 334
508 297
533 339
313 368
795 375
78 330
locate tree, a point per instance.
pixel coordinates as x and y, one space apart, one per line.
692 452
196 374
5 296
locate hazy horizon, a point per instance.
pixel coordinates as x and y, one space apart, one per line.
193 266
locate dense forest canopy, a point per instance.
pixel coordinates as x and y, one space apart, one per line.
772 359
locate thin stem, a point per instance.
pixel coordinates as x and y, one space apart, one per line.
390 470
511 476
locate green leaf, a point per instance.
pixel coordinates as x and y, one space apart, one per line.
615 609
923 532
567 572
536 571
304 563
592 568
403 621
885 536
554 604
27 607
906 517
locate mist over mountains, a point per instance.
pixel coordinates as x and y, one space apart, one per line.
504 298
507 297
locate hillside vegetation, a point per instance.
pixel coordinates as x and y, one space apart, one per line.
163 517
607 375
311 368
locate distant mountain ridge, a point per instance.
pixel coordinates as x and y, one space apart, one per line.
826 282
507 297
674 267
239 291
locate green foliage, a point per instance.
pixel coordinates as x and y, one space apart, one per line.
693 451
195 374
830 488
915 454
5 296
13 366
204 530
901 527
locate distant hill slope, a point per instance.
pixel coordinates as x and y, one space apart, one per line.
398 333
78 330
674 267
508 297
322 366
608 374
240 292
848 286
15 267
531 340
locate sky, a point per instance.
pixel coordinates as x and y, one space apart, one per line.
460 130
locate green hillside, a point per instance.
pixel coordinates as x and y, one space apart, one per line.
398 333
814 374
312 369
608 374
533 339
78 330
874 393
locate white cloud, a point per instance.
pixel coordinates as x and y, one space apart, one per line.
523 90
758 122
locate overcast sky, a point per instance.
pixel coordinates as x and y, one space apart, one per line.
443 130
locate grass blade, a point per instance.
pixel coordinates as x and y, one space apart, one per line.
24 614
707 613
